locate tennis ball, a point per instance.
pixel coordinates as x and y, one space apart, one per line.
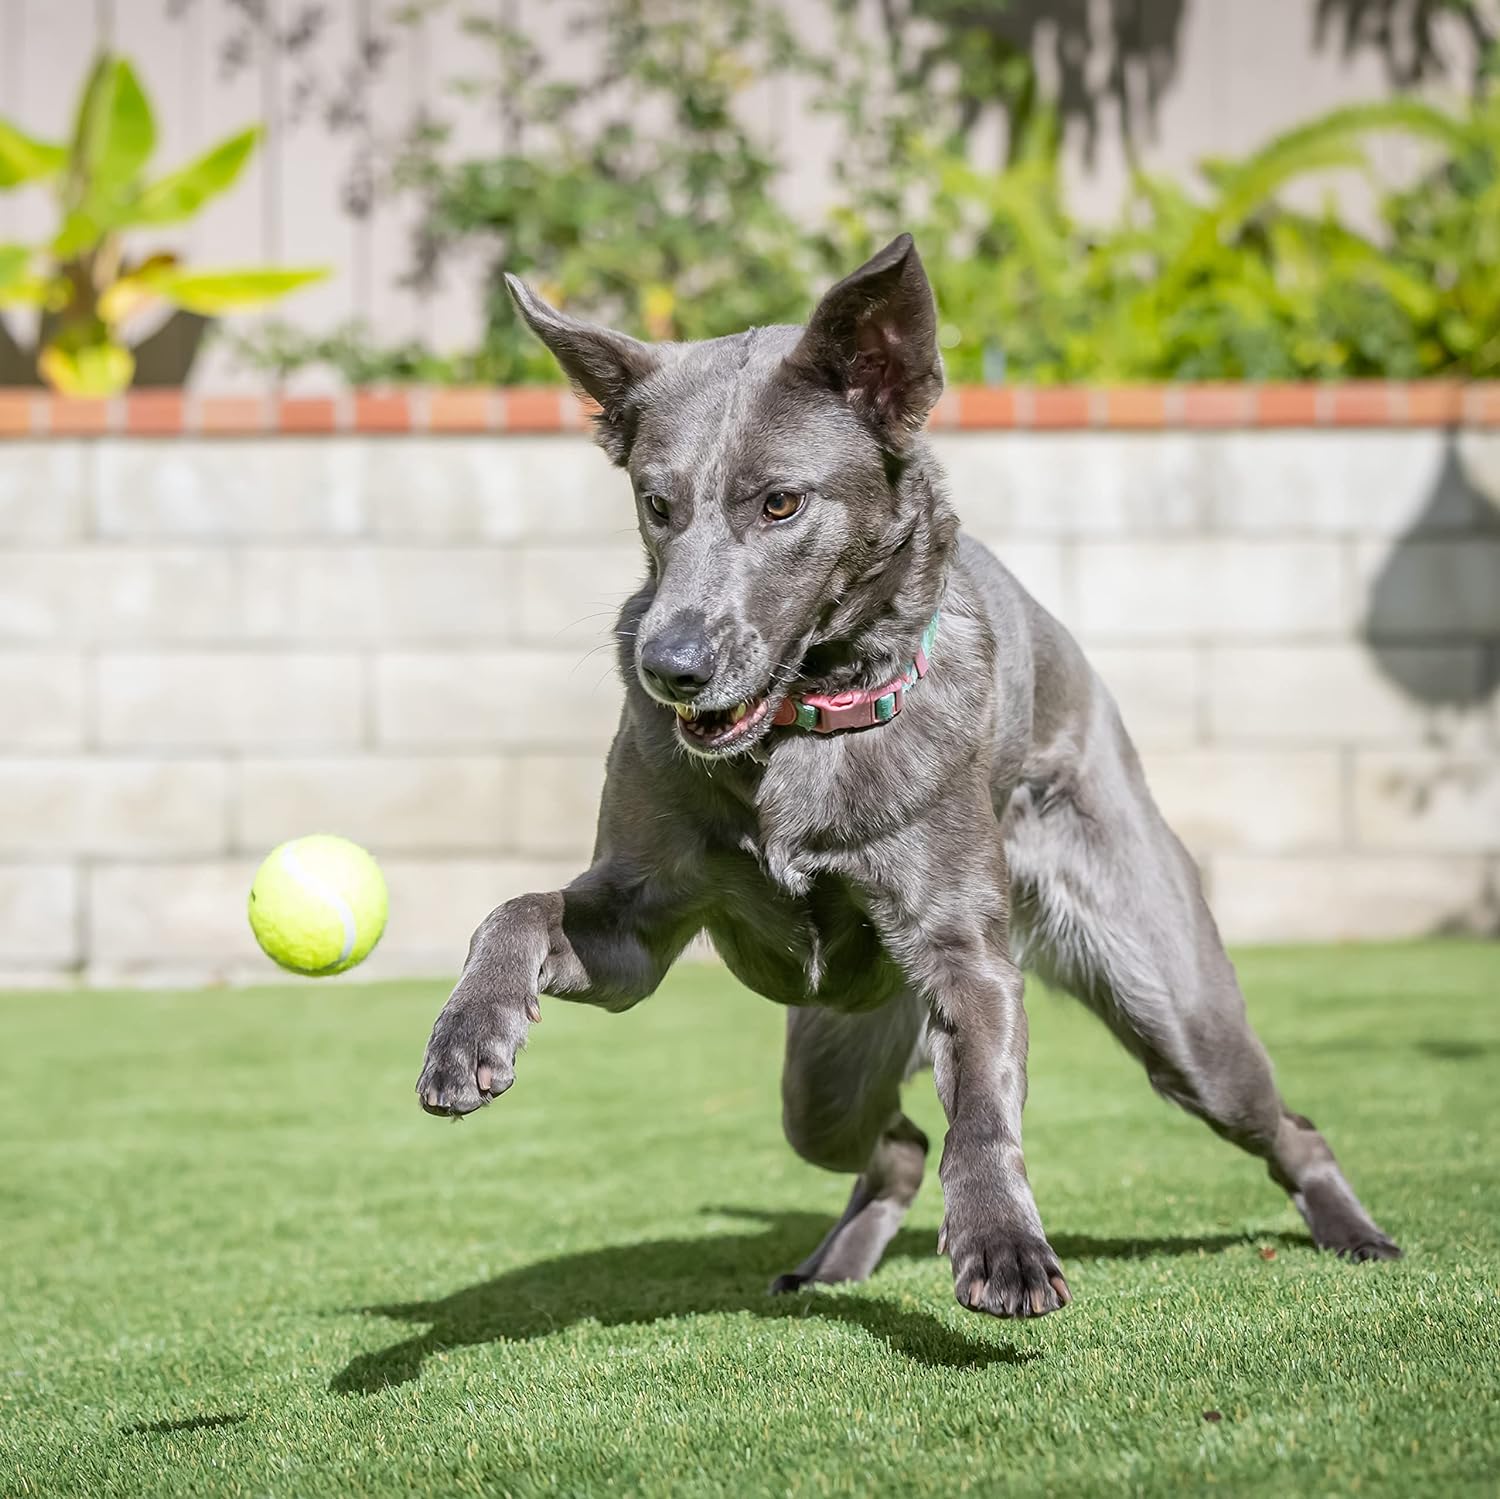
318 904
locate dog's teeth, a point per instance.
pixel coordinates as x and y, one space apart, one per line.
738 712
683 710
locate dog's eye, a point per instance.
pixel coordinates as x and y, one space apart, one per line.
657 505
783 504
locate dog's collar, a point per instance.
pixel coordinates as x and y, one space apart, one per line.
831 712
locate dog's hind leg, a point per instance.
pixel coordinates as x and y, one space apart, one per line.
1107 904
841 1110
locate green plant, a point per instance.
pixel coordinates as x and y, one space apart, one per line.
1226 282
638 194
1445 238
669 230
90 290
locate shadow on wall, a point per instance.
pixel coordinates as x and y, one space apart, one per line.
1432 590
1412 37
1433 625
1114 63
1128 61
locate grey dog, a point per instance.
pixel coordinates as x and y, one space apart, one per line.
886 881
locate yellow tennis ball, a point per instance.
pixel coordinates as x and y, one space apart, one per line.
318 904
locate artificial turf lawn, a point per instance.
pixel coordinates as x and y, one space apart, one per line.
236 1258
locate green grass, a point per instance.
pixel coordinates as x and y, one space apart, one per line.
236 1258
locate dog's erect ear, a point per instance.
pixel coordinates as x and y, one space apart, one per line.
873 337
601 363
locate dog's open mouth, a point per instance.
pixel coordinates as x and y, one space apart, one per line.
713 729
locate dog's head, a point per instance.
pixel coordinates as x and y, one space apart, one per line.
771 474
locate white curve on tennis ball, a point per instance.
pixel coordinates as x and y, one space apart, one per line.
314 886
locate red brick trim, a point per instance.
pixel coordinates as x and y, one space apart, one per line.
551 408
154 413
229 416
315 414
385 410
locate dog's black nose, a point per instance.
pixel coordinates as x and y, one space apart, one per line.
678 663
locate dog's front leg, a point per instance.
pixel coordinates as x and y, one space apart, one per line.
942 907
606 939
1002 1262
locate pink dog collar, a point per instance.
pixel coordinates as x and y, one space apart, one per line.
830 712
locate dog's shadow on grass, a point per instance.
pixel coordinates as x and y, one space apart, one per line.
636 1284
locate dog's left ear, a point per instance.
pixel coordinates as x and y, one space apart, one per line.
600 362
873 337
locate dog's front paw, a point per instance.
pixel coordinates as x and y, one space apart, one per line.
1007 1274
471 1056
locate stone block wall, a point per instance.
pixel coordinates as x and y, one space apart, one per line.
208 644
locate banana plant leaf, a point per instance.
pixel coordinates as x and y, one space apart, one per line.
24 159
180 194
215 292
20 286
115 132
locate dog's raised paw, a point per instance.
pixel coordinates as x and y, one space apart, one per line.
455 1090
465 1068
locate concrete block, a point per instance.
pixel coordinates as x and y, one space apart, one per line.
1074 484
557 803
520 698
175 917
1250 800
112 807
1423 589
113 594
39 978
1374 483
1427 802
570 596
1308 694
1157 689
43 491
445 489
39 915
1213 590
227 488
1349 897
570 489
389 803
1478 466
41 700
266 700
355 593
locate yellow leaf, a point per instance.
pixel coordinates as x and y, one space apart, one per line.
124 299
95 369
656 311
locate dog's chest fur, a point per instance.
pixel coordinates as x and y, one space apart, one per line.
781 854
815 946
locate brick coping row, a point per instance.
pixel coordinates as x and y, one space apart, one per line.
391 411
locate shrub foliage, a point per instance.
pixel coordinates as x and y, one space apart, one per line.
638 192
